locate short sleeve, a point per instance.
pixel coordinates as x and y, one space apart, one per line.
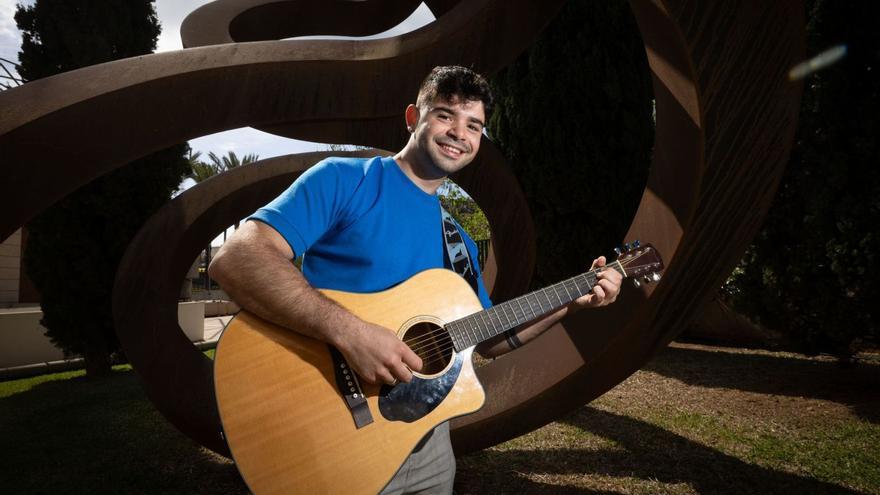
313 205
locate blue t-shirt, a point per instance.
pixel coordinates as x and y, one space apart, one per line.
362 226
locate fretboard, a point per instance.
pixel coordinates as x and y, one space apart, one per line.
476 328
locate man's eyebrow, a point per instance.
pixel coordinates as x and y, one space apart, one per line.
441 108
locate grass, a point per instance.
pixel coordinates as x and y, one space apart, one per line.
704 420
695 420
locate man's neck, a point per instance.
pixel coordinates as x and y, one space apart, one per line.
406 164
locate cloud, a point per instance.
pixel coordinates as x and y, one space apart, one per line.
171 14
10 36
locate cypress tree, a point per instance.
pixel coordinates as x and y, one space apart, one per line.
812 272
74 247
574 117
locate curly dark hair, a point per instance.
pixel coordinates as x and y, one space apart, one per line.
451 81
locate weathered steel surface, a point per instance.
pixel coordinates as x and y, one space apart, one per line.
726 116
176 376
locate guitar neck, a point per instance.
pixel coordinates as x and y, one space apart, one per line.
484 325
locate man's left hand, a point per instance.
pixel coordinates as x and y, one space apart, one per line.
606 289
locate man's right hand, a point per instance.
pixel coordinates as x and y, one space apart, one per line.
254 267
378 356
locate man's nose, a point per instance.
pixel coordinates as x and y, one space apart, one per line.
456 130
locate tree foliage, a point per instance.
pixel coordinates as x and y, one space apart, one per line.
574 117
74 247
812 272
216 164
464 210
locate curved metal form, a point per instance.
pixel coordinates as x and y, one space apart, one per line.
176 376
726 116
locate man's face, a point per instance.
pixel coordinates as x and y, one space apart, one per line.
448 134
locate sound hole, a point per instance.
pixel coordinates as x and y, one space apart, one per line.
431 343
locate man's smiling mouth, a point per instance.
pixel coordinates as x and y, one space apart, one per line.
451 150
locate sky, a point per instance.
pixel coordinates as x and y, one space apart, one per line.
171 14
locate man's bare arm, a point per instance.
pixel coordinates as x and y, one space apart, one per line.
603 294
254 267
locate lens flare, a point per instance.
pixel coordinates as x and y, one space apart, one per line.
817 63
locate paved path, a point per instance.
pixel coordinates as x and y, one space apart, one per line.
214 326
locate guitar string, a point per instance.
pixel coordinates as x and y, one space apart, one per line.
441 340
434 337
427 339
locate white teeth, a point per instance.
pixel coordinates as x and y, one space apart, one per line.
451 149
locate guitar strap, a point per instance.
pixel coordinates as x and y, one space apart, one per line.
456 251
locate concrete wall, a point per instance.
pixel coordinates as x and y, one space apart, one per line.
22 341
10 269
220 308
191 316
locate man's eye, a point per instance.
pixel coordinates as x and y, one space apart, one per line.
475 128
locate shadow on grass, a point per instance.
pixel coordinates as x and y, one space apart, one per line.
643 451
101 436
855 386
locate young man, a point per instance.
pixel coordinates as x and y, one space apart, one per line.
365 225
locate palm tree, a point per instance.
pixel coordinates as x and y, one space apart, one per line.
202 171
230 161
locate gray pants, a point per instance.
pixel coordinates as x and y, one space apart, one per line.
428 470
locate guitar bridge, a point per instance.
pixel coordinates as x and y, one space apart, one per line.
350 389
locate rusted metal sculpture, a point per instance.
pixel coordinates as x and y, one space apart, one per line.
726 116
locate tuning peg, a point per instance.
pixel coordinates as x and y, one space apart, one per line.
618 251
636 283
636 243
655 277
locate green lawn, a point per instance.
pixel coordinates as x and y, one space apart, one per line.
695 420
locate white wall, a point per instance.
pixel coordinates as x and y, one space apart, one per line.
22 341
10 269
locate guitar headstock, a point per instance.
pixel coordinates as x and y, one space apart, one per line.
640 261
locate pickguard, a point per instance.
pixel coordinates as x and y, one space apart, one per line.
409 402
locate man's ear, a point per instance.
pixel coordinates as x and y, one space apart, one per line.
412 117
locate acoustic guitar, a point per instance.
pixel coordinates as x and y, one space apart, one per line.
298 420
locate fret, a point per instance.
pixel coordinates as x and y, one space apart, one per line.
467 331
556 293
452 330
529 302
565 286
504 310
549 303
483 325
586 280
481 330
492 319
485 319
519 301
475 324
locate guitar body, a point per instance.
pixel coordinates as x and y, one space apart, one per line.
286 421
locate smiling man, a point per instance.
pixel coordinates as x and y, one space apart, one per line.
365 225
